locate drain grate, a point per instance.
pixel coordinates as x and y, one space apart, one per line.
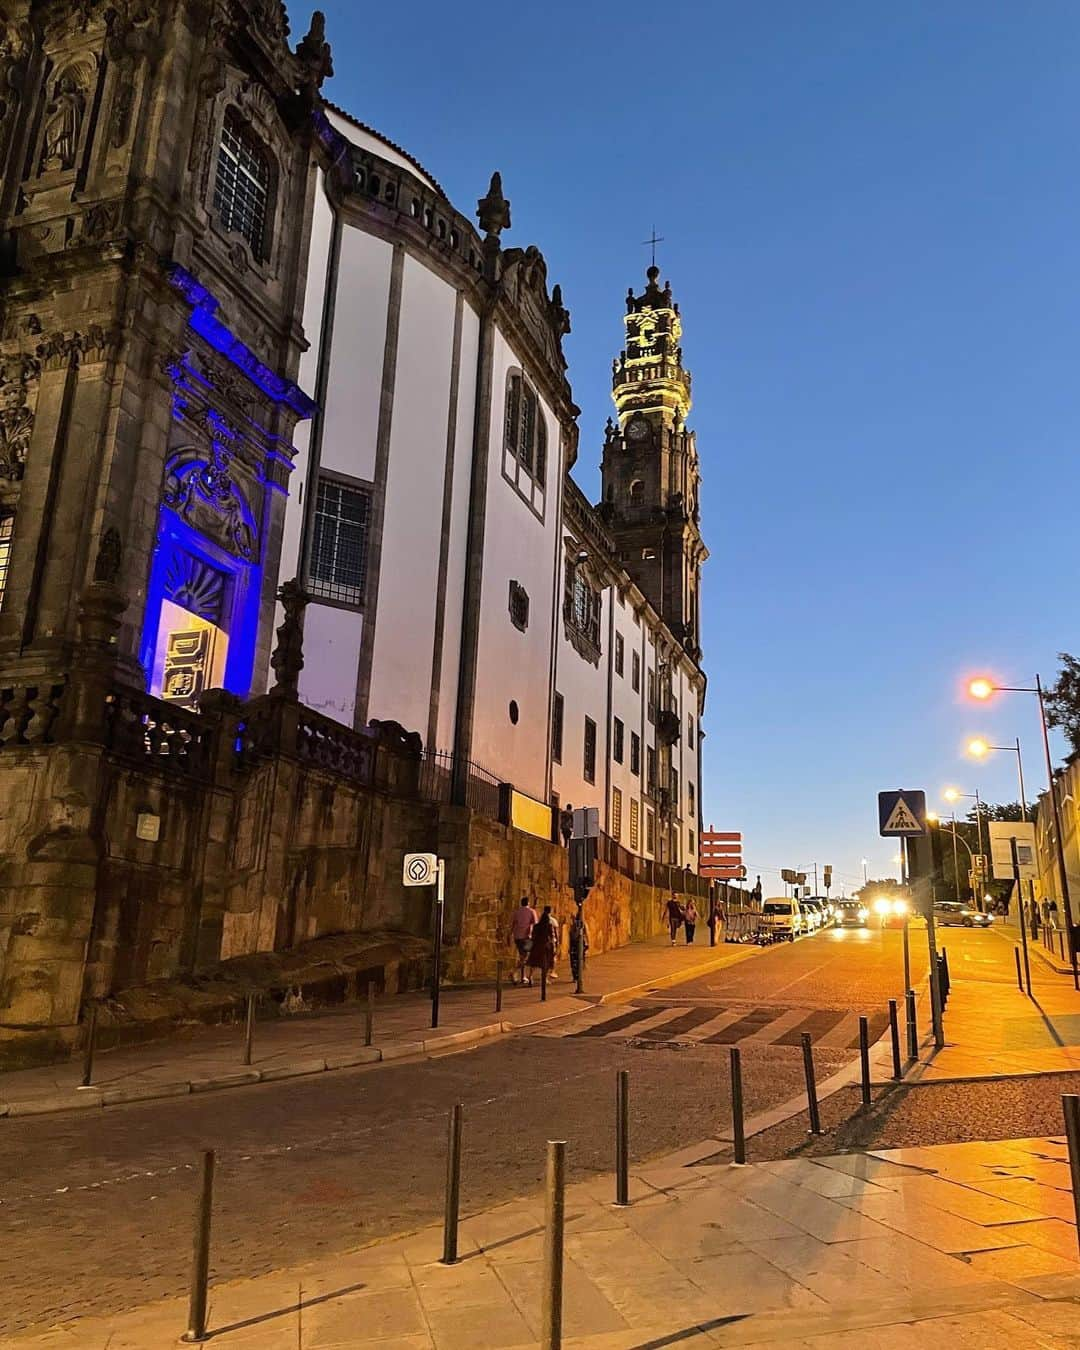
639 1043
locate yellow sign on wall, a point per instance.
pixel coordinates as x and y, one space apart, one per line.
527 814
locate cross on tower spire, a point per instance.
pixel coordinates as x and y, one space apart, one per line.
652 241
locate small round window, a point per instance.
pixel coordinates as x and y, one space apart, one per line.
514 714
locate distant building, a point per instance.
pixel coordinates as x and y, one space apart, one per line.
461 583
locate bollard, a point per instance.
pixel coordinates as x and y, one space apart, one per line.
1070 1105
90 1047
1061 942
894 1030
543 984
1019 973
912 1029
864 1060
948 977
738 1127
249 1028
369 1016
622 1138
200 1267
453 1187
811 1084
555 1214
498 986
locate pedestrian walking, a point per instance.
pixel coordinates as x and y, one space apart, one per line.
690 918
545 943
716 917
566 824
676 917
579 944
524 921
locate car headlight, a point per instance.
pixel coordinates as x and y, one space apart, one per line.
864 913
899 907
882 905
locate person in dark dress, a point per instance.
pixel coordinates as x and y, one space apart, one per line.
544 943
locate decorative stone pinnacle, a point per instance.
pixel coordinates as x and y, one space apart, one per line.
493 211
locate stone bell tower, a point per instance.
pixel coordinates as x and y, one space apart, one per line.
650 474
156 181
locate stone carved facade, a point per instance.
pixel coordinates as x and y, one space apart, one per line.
148 357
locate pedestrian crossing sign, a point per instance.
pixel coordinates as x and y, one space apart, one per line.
902 814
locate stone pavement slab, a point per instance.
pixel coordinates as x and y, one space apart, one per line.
707 1256
208 1059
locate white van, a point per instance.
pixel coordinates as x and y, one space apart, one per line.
783 917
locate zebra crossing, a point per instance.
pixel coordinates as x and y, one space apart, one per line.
727 1024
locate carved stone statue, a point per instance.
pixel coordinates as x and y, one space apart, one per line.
16 424
493 211
63 120
288 656
313 51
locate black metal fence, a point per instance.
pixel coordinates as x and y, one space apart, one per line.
437 779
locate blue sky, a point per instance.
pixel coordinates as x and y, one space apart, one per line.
871 216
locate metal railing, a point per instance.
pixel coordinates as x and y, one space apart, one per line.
482 788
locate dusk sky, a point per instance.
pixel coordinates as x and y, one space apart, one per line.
871 217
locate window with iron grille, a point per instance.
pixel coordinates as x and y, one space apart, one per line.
618 735
556 729
7 528
242 186
635 824
616 813
519 606
338 568
635 752
590 751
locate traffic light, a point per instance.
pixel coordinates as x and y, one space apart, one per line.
828 875
582 867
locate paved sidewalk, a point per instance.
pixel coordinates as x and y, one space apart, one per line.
966 1244
208 1059
992 1029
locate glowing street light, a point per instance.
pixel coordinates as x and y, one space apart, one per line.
951 794
978 747
981 688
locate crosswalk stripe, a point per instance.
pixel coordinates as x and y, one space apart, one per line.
830 1028
816 1023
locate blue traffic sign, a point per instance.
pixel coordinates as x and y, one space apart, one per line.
902 814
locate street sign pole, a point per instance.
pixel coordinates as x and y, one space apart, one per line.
905 875
1020 915
436 964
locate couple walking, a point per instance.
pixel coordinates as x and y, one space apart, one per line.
681 916
536 937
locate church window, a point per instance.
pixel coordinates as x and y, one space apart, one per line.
7 528
557 728
616 813
525 439
618 738
242 187
589 757
635 672
585 613
637 492
619 657
635 824
340 544
519 606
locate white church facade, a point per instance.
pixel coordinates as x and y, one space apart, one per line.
460 583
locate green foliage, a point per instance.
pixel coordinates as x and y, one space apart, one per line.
1063 700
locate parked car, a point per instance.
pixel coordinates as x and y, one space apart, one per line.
817 914
851 914
951 913
783 917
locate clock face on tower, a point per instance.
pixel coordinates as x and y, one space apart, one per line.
637 431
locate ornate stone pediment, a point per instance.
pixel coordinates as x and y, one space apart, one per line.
545 317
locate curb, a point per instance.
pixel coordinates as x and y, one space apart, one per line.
103 1095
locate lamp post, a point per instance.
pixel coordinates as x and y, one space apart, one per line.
958 838
980 748
982 689
954 795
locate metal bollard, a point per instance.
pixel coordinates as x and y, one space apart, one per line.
498 986
90 1047
894 1030
249 1028
811 1084
200 1266
622 1138
912 1029
1061 942
369 1015
1019 972
864 1060
543 984
453 1187
555 1215
1070 1106
738 1125
948 978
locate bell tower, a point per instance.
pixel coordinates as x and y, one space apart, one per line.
649 471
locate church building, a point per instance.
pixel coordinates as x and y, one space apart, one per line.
461 583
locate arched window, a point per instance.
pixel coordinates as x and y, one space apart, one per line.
7 529
242 187
637 492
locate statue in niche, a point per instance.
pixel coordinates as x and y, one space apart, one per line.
63 119
16 423
287 660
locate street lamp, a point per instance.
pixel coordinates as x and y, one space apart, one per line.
956 839
953 795
982 688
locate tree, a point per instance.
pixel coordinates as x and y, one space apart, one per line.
1063 700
